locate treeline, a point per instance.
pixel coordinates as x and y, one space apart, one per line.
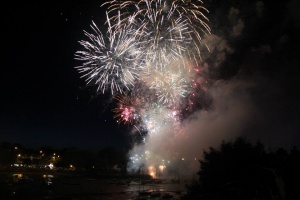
108 159
240 170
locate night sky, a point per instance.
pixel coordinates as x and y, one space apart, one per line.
43 100
254 55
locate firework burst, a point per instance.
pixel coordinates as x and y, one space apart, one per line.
128 108
173 28
110 63
149 60
168 87
150 43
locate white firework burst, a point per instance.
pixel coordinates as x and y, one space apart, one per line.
110 62
173 28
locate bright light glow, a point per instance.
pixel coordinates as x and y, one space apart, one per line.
152 171
162 167
51 166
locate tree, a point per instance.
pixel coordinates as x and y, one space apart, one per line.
7 155
110 157
237 170
81 159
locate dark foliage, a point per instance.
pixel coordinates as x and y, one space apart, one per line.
241 170
7 155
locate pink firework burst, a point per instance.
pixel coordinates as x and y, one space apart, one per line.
127 110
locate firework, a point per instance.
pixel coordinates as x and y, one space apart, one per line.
150 43
171 27
128 108
110 63
169 87
166 35
149 56
152 36
156 117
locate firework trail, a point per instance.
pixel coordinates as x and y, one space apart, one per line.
148 59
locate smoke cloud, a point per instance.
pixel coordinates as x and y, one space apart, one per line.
250 89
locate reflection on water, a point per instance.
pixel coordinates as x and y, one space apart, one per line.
25 185
48 179
18 176
37 186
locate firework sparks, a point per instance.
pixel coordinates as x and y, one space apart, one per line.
169 87
127 110
110 64
150 56
172 27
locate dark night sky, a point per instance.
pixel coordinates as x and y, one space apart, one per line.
44 102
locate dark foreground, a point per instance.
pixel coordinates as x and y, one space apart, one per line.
73 186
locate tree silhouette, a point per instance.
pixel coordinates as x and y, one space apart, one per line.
241 170
7 156
111 157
